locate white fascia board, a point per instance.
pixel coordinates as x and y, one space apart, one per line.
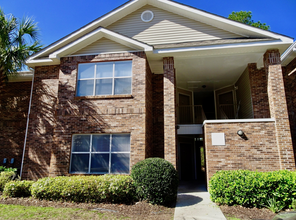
91 25
252 120
220 46
41 62
22 76
94 36
289 52
216 21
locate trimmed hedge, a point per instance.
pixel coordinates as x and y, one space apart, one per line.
156 181
253 189
5 177
106 188
18 188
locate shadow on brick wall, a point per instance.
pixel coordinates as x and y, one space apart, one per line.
55 117
14 102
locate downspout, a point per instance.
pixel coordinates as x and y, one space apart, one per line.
27 126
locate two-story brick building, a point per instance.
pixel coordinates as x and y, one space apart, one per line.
154 78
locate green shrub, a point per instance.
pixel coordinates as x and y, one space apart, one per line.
6 177
106 188
4 169
18 188
253 189
156 181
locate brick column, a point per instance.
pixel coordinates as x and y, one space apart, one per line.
169 102
278 108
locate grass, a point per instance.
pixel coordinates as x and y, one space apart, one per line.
232 218
33 212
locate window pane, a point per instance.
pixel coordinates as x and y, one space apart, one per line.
104 87
120 163
120 143
86 71
104 70
99 163
85 87
80 163
101 143
123 68
123 86
81 143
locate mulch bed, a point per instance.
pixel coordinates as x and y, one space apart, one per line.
247 213
139 210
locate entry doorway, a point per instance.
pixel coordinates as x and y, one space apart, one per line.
191 158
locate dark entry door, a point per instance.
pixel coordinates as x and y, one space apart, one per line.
187 161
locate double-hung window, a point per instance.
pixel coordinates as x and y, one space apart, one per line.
104 78
100 154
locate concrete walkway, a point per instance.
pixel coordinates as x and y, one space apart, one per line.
194 202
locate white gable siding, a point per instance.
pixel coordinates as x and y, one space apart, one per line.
103 45
167 27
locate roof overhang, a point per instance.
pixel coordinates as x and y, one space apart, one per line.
289 54
54 58
21 76
91 29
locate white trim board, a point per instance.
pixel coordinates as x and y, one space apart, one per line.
239 120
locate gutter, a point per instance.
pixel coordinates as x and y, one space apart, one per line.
27 126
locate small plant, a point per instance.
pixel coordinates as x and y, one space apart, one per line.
156 181
6 177
274 206
18 188
9 169
293 204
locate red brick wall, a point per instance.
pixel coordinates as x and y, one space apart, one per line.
259 152
290 85
42 122
169 100
258 83
14 103
49 150
149 112
278 108
158 129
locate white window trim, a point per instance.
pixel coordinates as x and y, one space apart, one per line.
113 78
90 153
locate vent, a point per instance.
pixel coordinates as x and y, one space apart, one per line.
147 16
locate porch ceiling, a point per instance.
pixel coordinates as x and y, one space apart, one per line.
215 67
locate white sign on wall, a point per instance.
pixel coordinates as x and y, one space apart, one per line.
218 139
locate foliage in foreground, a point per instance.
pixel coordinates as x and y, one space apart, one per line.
18 40
7 169
106 188
274 190
18 188
156 181
6 177
246 18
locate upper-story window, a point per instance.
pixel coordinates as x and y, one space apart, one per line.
104 78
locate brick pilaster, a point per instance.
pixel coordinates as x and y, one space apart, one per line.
169 97
278 108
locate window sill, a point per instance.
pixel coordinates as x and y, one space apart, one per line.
104 97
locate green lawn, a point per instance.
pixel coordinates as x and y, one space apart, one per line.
32 212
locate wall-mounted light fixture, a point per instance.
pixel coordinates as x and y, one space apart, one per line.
242 134
4 160
12 161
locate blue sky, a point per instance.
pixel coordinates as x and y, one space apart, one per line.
57 18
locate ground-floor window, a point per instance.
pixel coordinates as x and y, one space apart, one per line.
100 153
